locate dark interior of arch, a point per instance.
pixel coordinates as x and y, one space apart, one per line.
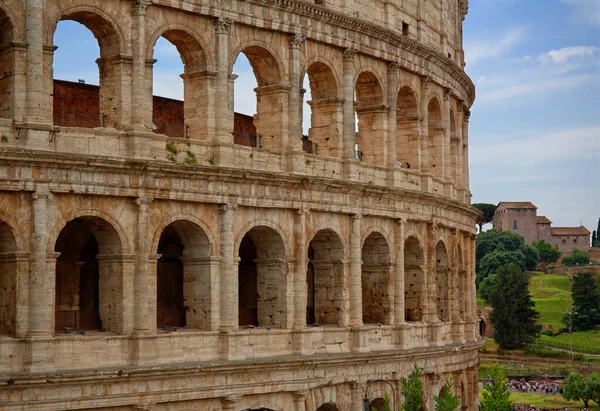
375 280
414 279
8 280
368 90
6 28
378 404
170 310
248 283
328 407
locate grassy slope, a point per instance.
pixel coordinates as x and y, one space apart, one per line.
552 296
548 401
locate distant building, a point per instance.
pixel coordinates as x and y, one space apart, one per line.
522 218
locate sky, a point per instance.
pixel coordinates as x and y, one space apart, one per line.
535 126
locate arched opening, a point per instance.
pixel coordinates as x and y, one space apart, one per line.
7 66
464 405
378 404
372 119
435 138
267 123
8 280
324 125
184 272
89 277
328 407
407 123
454 144
178 52
462 286
84 95
262 275
326 255
376 280
414 280
442 275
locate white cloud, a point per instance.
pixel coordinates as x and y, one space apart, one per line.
485 49
561 56
587 11
570 145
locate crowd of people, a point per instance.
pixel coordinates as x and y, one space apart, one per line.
536 387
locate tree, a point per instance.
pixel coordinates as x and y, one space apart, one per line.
495 240
513 315
412 390
496 396
593 382
586 302
597 235
491 262
486 287
576 388
594 239
577 257
447 401
548 253
488 211
532 256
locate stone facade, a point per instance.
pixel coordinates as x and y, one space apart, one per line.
141 270
521 218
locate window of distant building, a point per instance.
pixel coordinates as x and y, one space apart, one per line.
514 224
564 241
574 241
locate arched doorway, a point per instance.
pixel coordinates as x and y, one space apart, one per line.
262 279
407 124
89 277
8 280
414 280
372 119
326 279
442 275
375 280
435 136
378 404
7 65
328 407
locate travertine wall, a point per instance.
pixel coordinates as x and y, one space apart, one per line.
292 279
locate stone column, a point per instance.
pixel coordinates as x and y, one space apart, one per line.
42 276
228 403
138 89
424 165
349 120
229 280
446 162
224 125
356 318
300 286
34 73
295 102
142 294
465 152
392 123
300 398
399 274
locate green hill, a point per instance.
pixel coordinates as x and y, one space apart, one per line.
552 296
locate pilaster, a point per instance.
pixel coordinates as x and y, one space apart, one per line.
399 238
349 138
392 123
356 315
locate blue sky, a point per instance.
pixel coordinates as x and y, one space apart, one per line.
535 126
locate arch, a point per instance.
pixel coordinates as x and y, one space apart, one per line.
264 61
193 221
103 105
372 118
407 125
325 278
262 275
184 277
88 213
326 109
89 276
414 279
442 281
330 406
376 280
189 119
7 62
8 280
378 404
435 137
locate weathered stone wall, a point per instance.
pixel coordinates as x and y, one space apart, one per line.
144 270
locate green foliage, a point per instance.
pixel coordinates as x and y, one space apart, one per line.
532 256
488 211
586 302
513 314
211 160
491 262
172 159
4 139
170 147
387 403
496 240
190 158
486 287
595 239
577 257
412 389
495 396
548 253
575 387
447 401
597 243
593 382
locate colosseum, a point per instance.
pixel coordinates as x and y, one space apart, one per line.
174 255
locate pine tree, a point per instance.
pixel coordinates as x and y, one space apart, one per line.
412 390
513 314
446 401
586 302
495 395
